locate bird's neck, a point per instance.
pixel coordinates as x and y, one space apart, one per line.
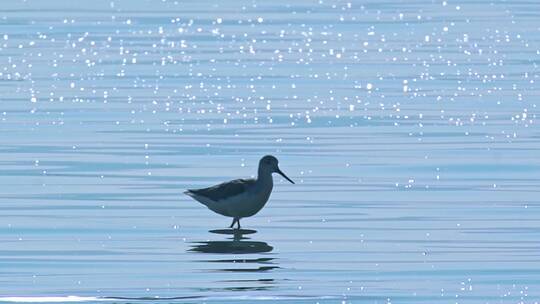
264 177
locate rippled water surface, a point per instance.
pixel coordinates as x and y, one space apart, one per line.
410 128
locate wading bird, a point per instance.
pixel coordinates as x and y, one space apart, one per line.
241 198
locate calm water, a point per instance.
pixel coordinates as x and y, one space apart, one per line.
410 128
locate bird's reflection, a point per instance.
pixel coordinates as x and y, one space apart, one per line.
237 243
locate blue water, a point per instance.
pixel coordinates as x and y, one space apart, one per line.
410 128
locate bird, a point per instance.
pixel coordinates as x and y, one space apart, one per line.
241 198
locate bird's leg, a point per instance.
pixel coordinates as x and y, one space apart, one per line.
238 222
232 224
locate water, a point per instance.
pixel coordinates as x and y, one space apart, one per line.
409 127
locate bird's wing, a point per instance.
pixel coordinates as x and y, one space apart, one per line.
224 190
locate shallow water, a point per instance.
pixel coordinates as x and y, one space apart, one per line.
410 128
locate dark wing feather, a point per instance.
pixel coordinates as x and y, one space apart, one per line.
224 190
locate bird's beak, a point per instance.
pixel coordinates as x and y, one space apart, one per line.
283 174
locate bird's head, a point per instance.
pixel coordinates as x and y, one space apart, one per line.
270 164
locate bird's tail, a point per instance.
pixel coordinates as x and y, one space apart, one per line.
201 199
